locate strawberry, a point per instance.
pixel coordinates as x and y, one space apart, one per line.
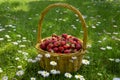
55 49
62 42
78 46
43 46
50 50
61 49
65 47
71 41
75 39
50 45
56 44
67 51
54 38
64 36
46 42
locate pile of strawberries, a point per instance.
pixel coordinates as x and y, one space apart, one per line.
61 44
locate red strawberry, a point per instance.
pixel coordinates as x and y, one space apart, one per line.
63 43
75 39
64 35
78 46
54 38
79 42
67 51
50 46
46 42
61 49
56 43
65 47
50 50
55 49
43 46
71 41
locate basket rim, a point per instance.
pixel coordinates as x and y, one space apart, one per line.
80 52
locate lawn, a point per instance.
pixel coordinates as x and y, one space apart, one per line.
18 37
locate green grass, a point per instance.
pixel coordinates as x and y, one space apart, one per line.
23 15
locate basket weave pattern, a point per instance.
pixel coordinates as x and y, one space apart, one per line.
65 62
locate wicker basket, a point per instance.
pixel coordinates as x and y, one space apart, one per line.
65 62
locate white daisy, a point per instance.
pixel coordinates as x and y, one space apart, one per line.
115 26
100 41
86 62
102 48
5 78
40 72
19 41
22 46
2 29
14 29
99 74
93 27
74 57
79 77
109 48
24 40
29 60
17 58
1 39
25 53
115 33
39 55
68 75
7 36
34 31
19 51
73 26
37 59
89 46
117 60
9 40
111 59
23 37
18 35
1 70
19 67
15 43
54 71
34 61
44 73
53 63
20 73
29 18
116 78
32 78
47 55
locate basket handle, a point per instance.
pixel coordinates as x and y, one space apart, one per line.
65 6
